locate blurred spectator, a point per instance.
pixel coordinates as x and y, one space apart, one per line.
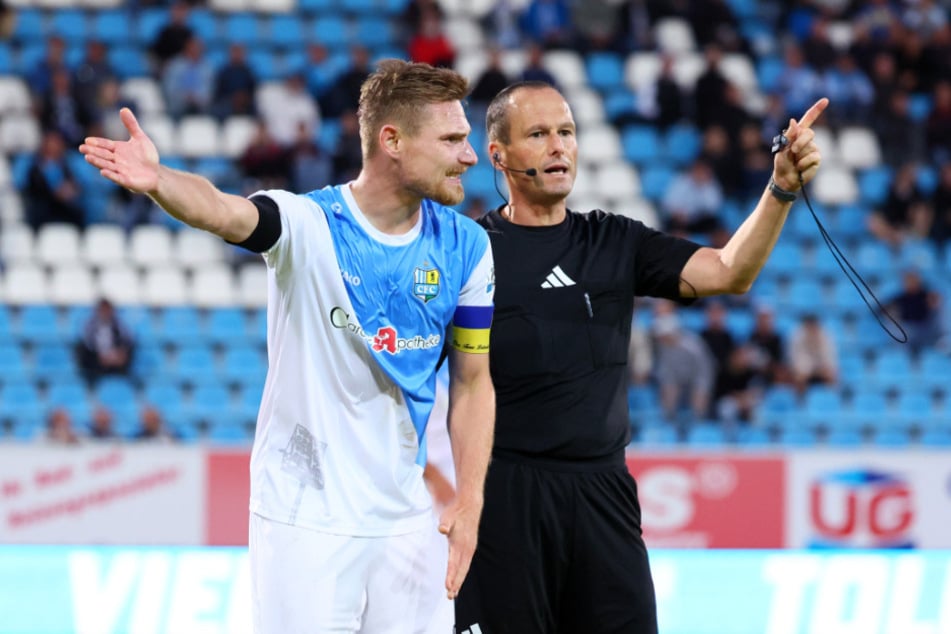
344 94
188 81
105 346
595 23
7 20
817 48
850 92
108 103
60 429
348 156
89 76
171 39
311 167
101 425
52 193
264 162
939 123
715 334
288 108
684 368
709 91
429 43
724 157
737 389
692 201
935 59
659 103
918 308
901 138
757 162
635 32
812 354
800 83
902 214
501 24
884 77
548 23
768 348
60 110
413 16
235 84
924 18
713 22
152 427
941 204
490 82
878 18
534 69
322 72
640 355
40 77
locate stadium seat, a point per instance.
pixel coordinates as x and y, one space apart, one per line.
179 325
212 286
69 24
13 366
601 142
605 71
376 32
244 28
753 438
25 284
673 35
120 284
681 144
586 106
641 143
146 93
706 435
72 285
20 399
112 27
244 364
130 62
874 184
192 364
286 31
331 31
858 148
103 245
198 135
150 245
835 186
617 181
14 96
57 244
654 181
844 438
664 435
193 248
567 66
17 244
19 133
165 286
236 134
161 129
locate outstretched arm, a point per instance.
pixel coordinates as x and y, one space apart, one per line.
733 268
134 164
471 428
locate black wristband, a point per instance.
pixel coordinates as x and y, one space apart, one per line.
781 194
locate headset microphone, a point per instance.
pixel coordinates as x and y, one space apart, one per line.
531 171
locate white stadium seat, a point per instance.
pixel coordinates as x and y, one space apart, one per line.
72 285
25 284
165 286
57 244
198 135
212 286
103 245
120 284
150 245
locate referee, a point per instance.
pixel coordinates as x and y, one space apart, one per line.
560 548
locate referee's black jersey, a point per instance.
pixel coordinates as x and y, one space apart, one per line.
564 301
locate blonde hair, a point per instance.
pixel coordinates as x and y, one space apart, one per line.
396 93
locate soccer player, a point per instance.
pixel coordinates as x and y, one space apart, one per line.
560 547
363 280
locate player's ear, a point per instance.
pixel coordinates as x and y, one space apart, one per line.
390 139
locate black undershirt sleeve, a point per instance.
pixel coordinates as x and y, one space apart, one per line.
268 229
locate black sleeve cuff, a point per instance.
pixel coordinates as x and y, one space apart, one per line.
268 230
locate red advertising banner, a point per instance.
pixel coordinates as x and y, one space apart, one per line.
229 490
711 500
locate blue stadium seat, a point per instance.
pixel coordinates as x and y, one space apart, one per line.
936 437
753 438
226 326
19 399
38 323
619 104
372 31
682 144
707 435
358 7
29 26
798 436
316 6
257 326
244 28
157 392
229 435
641 144
117 393
658 435
891 368
329 135
129 61
28 427
844 437
192 364
654 181
205 25
768 71
112 26
822 403
148 23
605 71
54 361
920 106
918 254
210 400
243 363
850 222
286 31
874 183
179 325
331 30
66 392
69 24
805 294
12 363
7 66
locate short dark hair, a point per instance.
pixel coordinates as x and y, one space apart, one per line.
497 115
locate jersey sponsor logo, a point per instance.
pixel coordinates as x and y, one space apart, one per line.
386 338
557 279
425 283
349 278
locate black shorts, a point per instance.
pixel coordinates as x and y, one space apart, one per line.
560 552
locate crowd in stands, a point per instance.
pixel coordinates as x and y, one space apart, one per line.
884 64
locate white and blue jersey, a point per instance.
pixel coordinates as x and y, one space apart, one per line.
356 322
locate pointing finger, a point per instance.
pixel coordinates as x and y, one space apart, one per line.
813 113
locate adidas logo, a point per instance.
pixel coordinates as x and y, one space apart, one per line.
473 629
557 279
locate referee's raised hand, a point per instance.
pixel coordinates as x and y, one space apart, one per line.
133 164
801 156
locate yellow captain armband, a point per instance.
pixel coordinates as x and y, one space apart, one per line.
471 340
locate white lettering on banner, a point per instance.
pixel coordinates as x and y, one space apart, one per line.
665 498
148 608
850 595
790 578
100 596
854 594
199 592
